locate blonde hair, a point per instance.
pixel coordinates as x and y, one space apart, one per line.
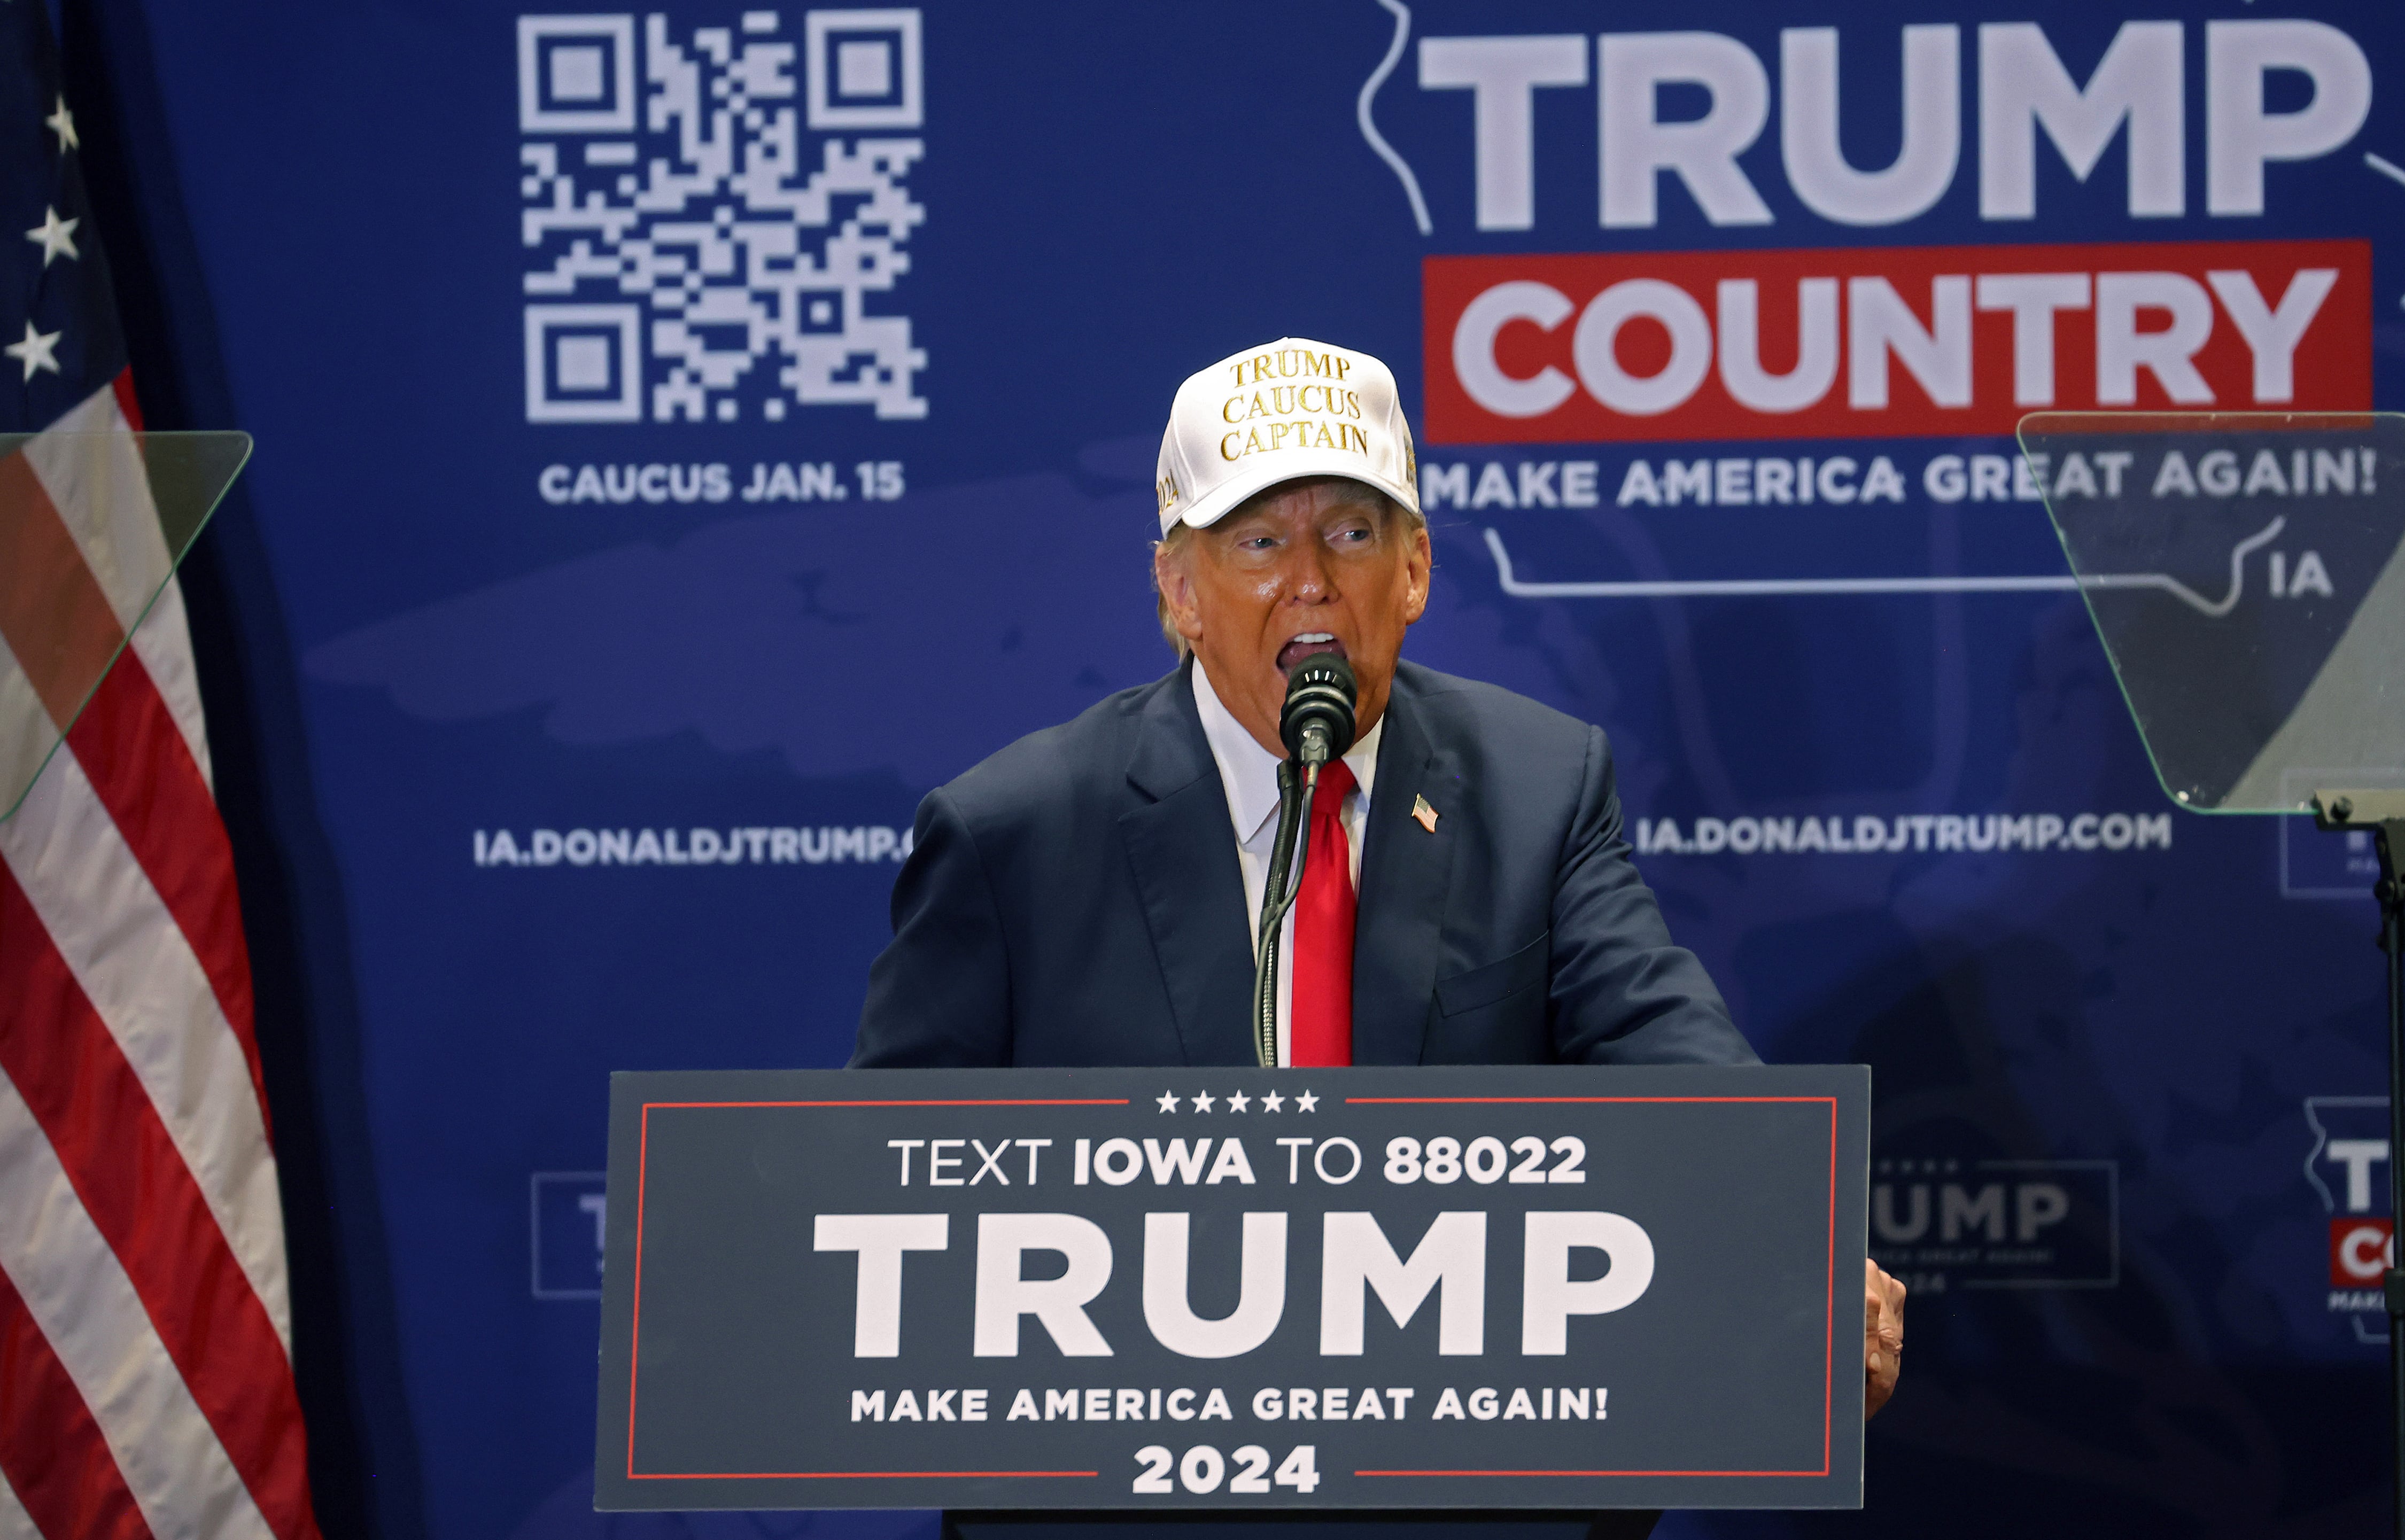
1181 533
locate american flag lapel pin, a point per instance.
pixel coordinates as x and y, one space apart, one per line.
1422 814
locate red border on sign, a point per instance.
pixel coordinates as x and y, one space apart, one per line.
634 1364
1829 1343
635 1334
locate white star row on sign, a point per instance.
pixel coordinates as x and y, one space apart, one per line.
62 123
37 351
1237 1102
55 236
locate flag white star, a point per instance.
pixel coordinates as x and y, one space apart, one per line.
1307 1102
1202 1100
56 235
1168 1102
1272 1103
35 351
1238 1101
62 123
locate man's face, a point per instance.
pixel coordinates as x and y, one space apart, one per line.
1317 565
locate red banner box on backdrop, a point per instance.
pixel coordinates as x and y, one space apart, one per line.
1886 341
2359 1250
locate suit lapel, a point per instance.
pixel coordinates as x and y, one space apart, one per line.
1404 874
1181 848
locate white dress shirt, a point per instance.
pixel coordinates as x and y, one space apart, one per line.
1248 775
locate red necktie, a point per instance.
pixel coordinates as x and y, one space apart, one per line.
1319 1026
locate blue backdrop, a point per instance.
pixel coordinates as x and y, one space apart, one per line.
551 749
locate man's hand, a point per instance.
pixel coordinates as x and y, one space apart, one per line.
1882 1337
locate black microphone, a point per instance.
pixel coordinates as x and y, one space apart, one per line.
1316 724
1318 721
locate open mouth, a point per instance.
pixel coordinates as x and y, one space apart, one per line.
1306 645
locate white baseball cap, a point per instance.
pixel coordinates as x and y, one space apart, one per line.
1275 413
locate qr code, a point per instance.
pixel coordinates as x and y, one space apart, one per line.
715 224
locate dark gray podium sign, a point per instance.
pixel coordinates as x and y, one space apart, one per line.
1236 1289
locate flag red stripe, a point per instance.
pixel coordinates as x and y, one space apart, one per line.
143 772
142 1200
51 1449
130 749
123 388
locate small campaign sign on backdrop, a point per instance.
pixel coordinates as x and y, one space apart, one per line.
1497 1287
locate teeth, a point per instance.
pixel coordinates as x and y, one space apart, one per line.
1316 636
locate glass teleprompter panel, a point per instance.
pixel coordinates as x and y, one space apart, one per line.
92 526
2246 574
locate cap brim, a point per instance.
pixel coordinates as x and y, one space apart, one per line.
1268 470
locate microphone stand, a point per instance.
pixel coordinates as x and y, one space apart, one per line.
1297 782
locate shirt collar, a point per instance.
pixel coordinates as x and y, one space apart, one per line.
1248 772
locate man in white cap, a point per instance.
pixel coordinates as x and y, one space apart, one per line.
1088 896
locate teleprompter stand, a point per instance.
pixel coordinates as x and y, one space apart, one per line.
2246 574
2382 813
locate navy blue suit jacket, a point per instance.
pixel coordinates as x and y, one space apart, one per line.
1076 900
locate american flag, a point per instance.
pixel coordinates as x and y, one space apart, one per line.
146 1377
